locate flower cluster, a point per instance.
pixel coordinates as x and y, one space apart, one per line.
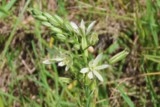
62 60
77 39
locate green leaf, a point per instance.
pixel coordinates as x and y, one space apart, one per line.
1 102
125 97
121 55
6 8
153 58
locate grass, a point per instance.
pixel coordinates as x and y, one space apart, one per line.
132 81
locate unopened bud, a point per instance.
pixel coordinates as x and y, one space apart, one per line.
51 19
91 49
68 26
56 30
48 15
47 24
59 19
61 37
40 17
77 46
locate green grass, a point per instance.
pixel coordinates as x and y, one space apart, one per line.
132 81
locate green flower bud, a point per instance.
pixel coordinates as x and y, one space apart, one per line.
77 46
35 12
61 37
48 15
40 17
54 22
46 24
93 39
71 41
56 30
51 19
69 27
59 19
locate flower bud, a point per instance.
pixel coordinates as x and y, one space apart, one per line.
93 39
77 46
46 24
48 15
56 30
68 27
51 19
91 49
59 19
35 12
61 37
40 17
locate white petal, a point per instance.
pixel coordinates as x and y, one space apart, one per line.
66 68
98 58
98 76
84 70
74 25
90 27
82 26
58 59
61 64
90 75
47 61
102 67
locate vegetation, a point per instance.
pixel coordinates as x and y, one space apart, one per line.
79 53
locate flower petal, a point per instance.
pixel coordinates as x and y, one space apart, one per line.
102 67
66 68
61 64
74 25
91 63
90 75
90 27
98 76
58 59
48 61
98 58
82 26
84 70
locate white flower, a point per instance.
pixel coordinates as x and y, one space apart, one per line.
82 29
90 27
63 60
75 27
93 68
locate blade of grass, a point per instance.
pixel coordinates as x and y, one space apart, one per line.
7 7
8 95
13 32
125 97
152 92
153 58
151 19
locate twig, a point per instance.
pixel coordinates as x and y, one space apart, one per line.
131 78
